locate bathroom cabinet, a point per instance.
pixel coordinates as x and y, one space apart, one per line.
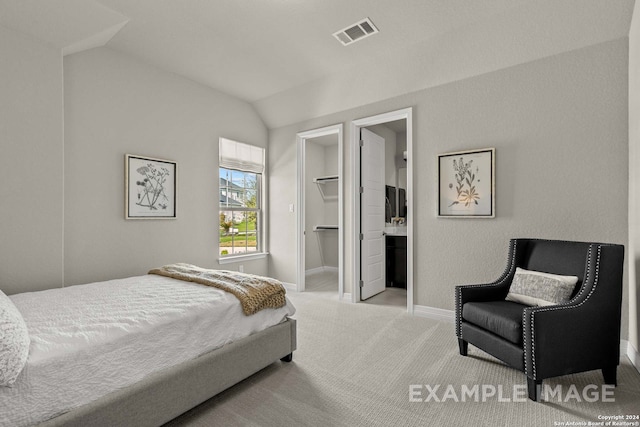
396 261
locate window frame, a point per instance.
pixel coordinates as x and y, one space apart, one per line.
260 211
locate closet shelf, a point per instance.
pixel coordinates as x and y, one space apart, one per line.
325 179
325 227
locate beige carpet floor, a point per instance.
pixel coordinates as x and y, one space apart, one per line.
355 364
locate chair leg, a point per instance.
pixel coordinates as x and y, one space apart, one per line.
533 386
463 345
609 374
287 358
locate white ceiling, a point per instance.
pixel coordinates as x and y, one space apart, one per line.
267 52
254 49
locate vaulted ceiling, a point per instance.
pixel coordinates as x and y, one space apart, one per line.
280 55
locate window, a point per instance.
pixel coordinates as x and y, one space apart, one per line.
241 174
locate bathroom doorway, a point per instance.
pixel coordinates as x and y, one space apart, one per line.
371 255
390 232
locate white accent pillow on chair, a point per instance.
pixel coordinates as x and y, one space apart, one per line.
535 288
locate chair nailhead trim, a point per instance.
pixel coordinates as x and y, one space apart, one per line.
565 306
507 271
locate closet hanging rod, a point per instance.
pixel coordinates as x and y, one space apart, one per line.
323 179
325 227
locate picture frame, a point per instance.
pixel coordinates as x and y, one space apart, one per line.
150 187
466 184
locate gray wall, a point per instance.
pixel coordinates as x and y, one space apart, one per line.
559 126
31 164
116 105
633 252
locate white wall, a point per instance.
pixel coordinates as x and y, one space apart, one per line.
114 105
391 175
389 136
329 239
633 252
314 205
395 172
31 164
401 147
559 126
321 205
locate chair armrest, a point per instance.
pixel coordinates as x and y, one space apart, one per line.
496 290
583 334
560 340
483 292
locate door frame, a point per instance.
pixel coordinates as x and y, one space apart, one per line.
301 140
356 125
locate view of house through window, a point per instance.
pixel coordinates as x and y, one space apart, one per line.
240 213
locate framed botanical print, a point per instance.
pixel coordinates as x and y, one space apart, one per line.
150 187
466 184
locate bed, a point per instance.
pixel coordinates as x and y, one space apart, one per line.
137 351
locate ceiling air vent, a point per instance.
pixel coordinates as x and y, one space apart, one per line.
355 32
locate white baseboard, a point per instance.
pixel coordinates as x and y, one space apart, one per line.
321 269
313 271
632 354
346 297
434 313
290 287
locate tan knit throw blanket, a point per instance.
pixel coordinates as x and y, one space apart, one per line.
254 292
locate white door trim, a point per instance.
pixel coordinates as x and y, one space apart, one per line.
301 139
407 114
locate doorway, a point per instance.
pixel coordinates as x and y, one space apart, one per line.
320 218
366 257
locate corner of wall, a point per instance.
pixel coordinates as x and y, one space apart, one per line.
633 257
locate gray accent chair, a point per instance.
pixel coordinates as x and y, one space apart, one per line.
580 335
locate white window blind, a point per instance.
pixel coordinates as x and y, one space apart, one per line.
240 156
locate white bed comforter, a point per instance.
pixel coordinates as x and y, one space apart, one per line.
89 340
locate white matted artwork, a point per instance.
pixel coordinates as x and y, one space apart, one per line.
150 187
466 184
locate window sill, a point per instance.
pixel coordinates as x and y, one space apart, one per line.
238 258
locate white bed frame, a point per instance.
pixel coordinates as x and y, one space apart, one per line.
165 395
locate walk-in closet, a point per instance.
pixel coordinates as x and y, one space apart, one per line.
321 214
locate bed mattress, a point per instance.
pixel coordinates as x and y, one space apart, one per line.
90 340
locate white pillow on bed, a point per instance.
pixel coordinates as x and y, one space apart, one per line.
14 341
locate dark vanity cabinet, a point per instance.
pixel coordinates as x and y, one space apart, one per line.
396 261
